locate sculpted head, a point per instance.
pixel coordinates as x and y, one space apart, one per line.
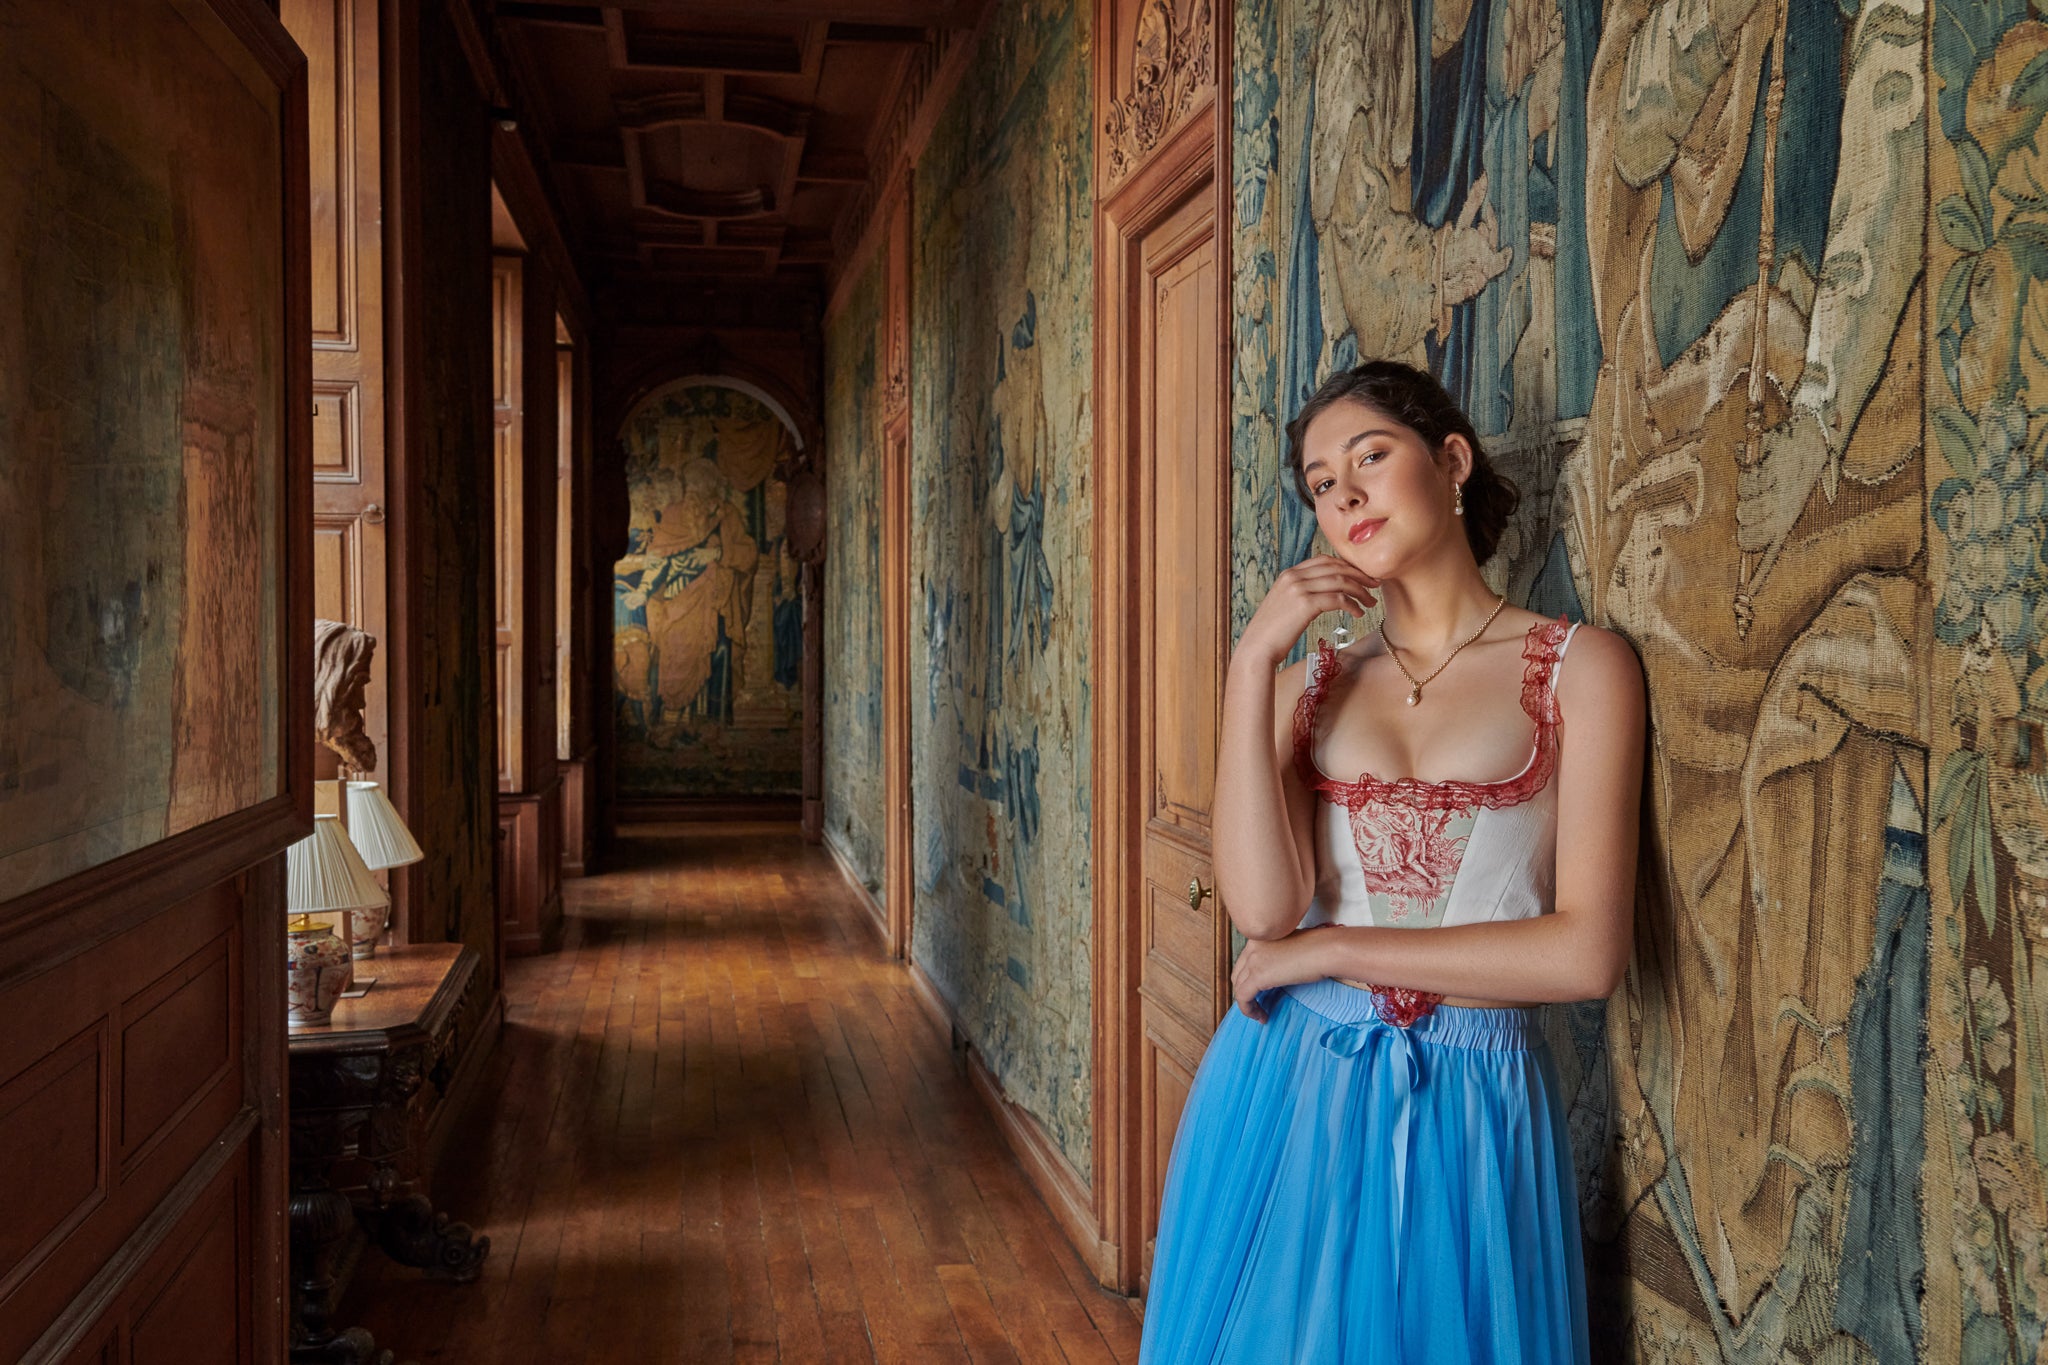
341 671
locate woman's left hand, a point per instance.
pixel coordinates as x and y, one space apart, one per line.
1267 963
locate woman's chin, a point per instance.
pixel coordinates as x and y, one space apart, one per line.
1375 561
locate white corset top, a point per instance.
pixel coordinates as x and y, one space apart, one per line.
1421 854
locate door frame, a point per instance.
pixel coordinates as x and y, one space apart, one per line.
898 827
896 822
1174 171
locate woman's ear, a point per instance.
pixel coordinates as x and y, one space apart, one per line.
1456 453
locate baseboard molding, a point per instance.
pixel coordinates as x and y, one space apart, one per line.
877 918
662 810
1045 1166
548 939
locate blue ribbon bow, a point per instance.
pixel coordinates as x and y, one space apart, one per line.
1351 1040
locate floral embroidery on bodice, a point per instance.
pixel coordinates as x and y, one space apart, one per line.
1410 854
1413 839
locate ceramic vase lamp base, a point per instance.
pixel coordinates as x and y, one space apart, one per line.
316 971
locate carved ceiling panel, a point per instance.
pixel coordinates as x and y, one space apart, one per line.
712 140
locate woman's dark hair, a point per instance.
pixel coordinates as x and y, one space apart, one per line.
1417 401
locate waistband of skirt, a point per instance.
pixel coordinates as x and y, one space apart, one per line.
1515 1029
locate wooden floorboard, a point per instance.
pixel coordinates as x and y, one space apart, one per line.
720 1128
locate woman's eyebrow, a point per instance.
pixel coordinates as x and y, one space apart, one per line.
1374 431
1371 431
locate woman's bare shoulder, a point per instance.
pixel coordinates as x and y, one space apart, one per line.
1601 669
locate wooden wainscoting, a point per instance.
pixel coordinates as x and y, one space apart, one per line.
579 813
141 1145
529 871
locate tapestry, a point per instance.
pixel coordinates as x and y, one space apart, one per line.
143 366
1987 1028
1002 347
1673 259
854 818
707 612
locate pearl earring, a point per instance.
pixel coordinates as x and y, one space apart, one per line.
1458 500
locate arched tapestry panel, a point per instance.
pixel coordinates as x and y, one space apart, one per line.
708 620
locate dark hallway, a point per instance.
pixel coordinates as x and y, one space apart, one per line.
719 1126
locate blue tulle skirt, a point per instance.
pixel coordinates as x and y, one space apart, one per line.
1344 1190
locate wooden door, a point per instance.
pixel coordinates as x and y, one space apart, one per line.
1165 394
565 542
339 38
1180 496
508 454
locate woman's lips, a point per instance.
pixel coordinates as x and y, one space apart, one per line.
1363 531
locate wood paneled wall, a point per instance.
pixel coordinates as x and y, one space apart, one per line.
142 1032
437 150
576 659
138 1116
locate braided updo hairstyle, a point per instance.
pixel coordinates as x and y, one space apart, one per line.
1417 401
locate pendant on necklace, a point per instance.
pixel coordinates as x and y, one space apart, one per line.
1415 694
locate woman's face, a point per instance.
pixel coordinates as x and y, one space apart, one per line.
1382 497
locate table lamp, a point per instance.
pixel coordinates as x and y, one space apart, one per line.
378 833
323 875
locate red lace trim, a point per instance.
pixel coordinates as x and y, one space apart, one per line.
1539 650
1401 1007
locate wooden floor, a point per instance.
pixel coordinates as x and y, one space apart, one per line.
719 1127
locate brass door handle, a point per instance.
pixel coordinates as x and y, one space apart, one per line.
1197 891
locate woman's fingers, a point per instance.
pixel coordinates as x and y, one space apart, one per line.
1326 570
1243 986
1333 587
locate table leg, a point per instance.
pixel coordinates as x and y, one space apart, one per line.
412 1233
320 1216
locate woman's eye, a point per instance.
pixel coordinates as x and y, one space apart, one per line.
1370 456
1321 487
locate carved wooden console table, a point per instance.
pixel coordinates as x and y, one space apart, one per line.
364 1090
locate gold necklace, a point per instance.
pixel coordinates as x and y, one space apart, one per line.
1415 683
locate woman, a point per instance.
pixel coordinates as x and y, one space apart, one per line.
1373 1162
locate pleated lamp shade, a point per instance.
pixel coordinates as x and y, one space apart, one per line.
379 835
324 872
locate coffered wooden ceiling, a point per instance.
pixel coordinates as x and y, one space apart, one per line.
721 142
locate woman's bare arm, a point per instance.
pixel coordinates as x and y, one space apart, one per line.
1580 951
1264 854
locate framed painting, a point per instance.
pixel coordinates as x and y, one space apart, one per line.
154 424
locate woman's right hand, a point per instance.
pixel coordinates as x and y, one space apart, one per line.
1318 584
